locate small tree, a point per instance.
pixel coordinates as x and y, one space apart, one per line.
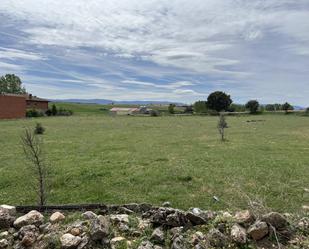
32 147
200 107
39 129
54 110
222 124
219 101
253 106
286 107
171 108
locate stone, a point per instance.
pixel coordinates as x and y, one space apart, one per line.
145 245
115 242
143 224
4 235
157 247
56 217
176 219
303 224
125 210
28 239
4 243
120 218
258 230
69 241
197 237
10 209
99 228
195 218
158 236
178 243
89 215
244 217
305 207
276 220
32 218
238 234
75 231
6 219
84 242
166 204
123 227
216 238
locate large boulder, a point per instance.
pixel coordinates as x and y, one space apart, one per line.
238 234
258 230
6 219
99 228
32 218
69 241
276 220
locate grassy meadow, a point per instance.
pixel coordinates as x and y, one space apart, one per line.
96 158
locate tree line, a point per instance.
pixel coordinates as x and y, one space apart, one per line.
221 102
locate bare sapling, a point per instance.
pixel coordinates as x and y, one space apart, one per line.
222 124
32 147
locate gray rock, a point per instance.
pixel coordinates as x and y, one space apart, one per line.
56 217
4 243
10 209
29 239
6 219
120 218
69 241
158 236
195 218
178 243
276 220
258 230
84 242
216 238
166 204
145 245
32 218
4 235
238 234
99 228
244 217
89 215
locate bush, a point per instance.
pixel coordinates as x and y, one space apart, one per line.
54 110
64 112
154 113
200 107
171 108
39 129
33 113
48 112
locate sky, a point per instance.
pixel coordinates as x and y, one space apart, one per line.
170 50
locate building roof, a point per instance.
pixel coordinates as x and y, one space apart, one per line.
119 109
12 95
30 97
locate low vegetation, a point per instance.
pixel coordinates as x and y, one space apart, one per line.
168 158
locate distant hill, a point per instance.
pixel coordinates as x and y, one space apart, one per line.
108 101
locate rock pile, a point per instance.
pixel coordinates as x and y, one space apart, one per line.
146 227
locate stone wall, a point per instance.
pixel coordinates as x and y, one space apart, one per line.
143 226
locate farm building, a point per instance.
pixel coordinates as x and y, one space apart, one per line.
15 106
12 106
33 102
124 111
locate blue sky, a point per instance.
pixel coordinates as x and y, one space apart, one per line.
176 50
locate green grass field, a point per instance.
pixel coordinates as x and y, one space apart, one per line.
97 158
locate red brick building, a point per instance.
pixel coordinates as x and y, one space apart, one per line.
33 102
12 106
15 106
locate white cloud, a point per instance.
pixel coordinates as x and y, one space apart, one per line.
251 42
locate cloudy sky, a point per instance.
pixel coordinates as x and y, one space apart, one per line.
175 50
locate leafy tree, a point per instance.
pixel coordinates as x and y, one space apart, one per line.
287 107
200 107
222 124
171 108
253 106
219 101
10 83
237 108
270 107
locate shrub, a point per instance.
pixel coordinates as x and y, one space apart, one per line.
39 129
154 113
287 107
33 113
64 112
54 110
171 108
200 107
48 112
